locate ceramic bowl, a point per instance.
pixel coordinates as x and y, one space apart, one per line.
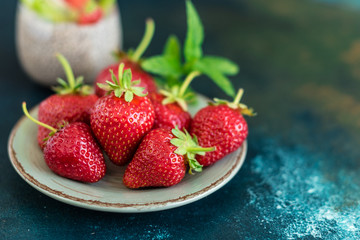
110 194
88 48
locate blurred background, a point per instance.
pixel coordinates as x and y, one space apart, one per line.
300 68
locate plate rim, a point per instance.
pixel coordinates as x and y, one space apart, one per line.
120 207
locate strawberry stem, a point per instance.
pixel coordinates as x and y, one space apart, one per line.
68 71
236 104
72 85
200 149
187 82
238 96
121 74
148 35
27 114
178 95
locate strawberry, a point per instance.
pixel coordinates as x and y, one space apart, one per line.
86 11
120 119
170 106
169 115
131 61
77 4
222 125
90 17
73 152
162 158
72 103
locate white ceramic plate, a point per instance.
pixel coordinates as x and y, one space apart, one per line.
109 194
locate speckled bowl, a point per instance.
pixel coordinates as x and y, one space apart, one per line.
88 47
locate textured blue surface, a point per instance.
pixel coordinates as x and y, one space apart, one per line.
350 3
300 67
297 196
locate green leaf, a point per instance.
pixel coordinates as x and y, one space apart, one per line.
129 96
176 142
180 151
118 92
194 165
113 77
62 82
135 83
172 49
178 133
163 66
195 139
168 65
195 34
219 79
223 65
112 85
139 91
79 80
127 78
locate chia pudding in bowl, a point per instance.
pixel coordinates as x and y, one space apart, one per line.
87 47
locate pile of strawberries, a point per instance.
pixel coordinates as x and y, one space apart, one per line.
133 123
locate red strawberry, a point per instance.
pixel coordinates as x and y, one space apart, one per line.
131 61
221 125
169 115
121 119
90 17
77 4
73 152
72 103
161 159
170 106
87 11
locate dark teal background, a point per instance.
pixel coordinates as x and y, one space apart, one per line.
300 68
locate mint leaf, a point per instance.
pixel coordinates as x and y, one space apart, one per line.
162 66
221 64
218 77
169 64
172 49
195 34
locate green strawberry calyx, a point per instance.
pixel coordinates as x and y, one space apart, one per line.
236 104
135 55
72 85
189 146
123 84
178 93
27 114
